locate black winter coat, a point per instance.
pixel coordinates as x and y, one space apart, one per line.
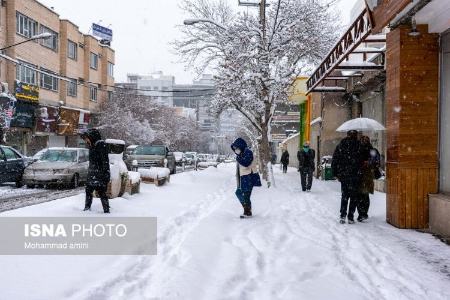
347 160
306 159
285 158
98 172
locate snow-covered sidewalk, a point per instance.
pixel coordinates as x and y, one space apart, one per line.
294 248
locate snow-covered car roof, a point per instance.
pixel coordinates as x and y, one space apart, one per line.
132 146
65 148
113 141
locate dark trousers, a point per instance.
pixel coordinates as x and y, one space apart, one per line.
101 190
307 178
244 197
285 166
349 191
363 205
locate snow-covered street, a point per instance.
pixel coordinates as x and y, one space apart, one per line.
293 248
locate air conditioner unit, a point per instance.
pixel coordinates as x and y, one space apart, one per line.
100 55
81 45
81 80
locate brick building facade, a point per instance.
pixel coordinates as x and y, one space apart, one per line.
83 70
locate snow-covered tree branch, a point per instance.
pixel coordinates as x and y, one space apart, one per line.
254 68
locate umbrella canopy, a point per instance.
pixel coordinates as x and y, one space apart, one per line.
361 124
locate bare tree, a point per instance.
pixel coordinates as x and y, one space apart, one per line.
255 64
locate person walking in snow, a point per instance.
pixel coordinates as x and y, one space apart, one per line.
98 171
370 163
306 164
346 166
285 160
247 175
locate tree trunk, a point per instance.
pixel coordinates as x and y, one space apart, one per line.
264 152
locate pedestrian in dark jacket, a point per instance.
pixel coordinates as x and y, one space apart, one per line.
346 166
98 172
285 160
306 164
247 175
370 160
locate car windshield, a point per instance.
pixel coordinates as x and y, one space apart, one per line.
150 150
189 156
60 155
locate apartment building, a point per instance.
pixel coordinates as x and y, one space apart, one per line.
56 84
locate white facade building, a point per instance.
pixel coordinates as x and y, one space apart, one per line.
157 86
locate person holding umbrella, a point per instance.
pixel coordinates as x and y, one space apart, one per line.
346 165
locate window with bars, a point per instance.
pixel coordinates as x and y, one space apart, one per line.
110 69
72 50
25 26
51 42
93 92
25 74
72 88
94 61
49 82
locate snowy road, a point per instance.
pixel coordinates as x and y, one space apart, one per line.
293 248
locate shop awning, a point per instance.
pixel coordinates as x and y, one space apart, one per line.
352 54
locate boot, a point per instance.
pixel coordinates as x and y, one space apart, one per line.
87 204
105 204
248 213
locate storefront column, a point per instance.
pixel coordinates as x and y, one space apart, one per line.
412 92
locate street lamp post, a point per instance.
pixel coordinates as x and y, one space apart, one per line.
44 35
196 21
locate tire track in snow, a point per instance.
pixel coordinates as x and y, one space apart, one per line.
143 279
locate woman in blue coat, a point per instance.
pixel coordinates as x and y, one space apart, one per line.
246 175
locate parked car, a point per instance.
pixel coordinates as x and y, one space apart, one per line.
129 150
39 154
12 165
58 166
148 156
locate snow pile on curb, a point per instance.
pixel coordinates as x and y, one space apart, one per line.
154 172
134 177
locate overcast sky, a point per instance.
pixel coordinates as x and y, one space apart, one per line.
142 31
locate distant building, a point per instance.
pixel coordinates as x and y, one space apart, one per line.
156 85
197 96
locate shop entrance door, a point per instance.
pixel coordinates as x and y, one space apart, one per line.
444 182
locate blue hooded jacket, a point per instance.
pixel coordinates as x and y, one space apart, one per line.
245 158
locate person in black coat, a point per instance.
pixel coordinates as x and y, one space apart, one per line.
306 166
98 172
346 167
285 160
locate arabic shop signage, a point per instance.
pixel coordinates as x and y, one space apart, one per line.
47 119
68 121
26 92
23 115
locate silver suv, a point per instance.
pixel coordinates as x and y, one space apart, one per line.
148 156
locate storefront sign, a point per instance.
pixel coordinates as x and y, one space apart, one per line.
24 115
83 123
102 32
46 119
68 121
26 92
7 109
